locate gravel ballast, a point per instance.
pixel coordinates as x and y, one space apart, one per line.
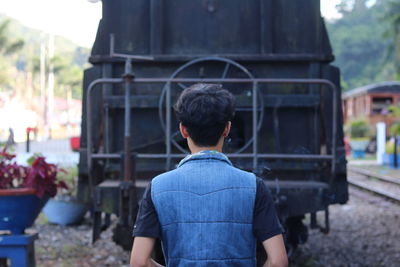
364 232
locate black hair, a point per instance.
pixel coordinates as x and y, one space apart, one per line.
205 109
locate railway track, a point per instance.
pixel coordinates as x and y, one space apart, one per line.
382 185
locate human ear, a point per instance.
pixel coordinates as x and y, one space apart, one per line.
183 131
227 129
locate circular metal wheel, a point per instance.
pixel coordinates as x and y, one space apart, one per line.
213 67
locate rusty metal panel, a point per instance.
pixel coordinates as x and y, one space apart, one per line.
216 26
181 29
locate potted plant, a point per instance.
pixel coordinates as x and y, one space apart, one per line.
24 190
359 131
65 208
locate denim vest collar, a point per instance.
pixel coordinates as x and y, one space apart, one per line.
204 155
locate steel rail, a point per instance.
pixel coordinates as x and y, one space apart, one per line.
375 191
380 177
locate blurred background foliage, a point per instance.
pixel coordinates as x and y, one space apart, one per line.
20 55
366 41
358 128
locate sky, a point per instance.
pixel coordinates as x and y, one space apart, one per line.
77 20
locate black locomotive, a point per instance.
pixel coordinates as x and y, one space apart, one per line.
273 55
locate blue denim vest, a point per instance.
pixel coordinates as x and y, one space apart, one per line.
205 208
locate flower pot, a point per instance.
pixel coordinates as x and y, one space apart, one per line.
19 209
64 212
358 147
358 154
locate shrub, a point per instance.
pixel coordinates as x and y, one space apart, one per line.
358 129
389 148
395 129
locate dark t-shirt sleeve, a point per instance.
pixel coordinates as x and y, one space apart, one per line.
147 223
265 221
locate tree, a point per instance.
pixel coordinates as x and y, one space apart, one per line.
395 127
348 6
7 47
358 44
392 16
68 76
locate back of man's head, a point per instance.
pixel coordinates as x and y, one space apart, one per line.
204 110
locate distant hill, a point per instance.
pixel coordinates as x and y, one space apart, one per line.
33 38
70 56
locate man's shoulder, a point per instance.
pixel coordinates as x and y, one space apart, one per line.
235 175
168 178
243 172
166 175
240 173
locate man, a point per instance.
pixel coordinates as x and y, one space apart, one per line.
207 212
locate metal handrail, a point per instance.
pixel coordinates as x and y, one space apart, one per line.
229 155
255 81
89 90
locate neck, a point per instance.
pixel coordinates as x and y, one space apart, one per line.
195 149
